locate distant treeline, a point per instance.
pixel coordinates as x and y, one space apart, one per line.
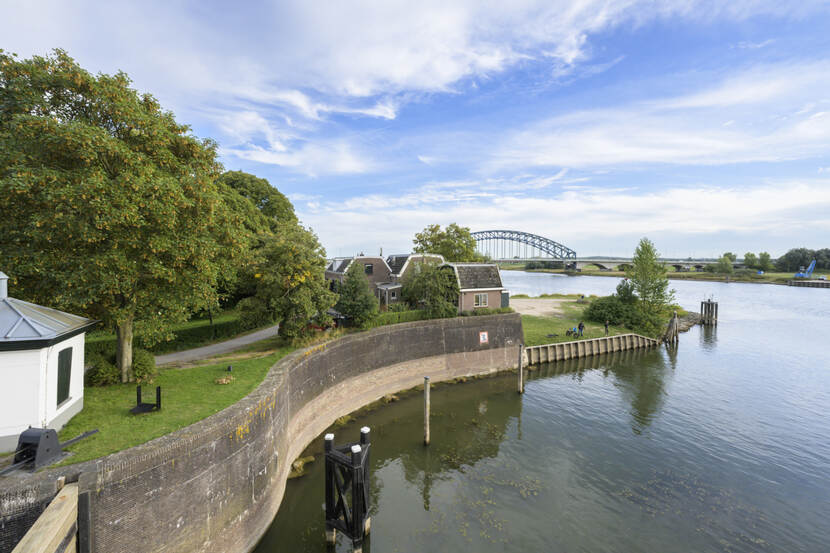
796 258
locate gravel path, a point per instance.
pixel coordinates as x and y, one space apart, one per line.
216 349
537 306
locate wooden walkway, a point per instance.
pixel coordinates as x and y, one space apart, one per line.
584 348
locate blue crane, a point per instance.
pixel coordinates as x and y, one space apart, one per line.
808 273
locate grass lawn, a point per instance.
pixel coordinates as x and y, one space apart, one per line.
538 329
191 334
188 395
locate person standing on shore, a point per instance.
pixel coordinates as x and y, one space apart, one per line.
581 328
606 327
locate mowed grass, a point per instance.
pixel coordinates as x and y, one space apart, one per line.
188 395
537 330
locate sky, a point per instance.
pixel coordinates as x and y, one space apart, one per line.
703 125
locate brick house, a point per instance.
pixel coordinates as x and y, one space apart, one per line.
480 286
385 275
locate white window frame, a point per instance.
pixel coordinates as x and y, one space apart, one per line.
481 300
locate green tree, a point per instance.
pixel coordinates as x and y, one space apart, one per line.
731 256
270 202
750 260
794 259
110 206
433 288
724 265
455 243
356 298
648 277
765 261
262 209
291 287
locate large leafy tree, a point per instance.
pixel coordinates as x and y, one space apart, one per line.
794 259
263 209
291 287
765 261
648 277
356 299
270 202
110 206
433 288
750 260
455 243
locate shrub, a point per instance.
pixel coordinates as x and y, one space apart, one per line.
102 371
398 307
253 313
144 365
486 311
625 291
395 317
612 308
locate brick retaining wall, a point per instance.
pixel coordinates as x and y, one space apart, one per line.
217 484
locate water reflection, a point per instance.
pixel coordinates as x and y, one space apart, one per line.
660 450
708 337
639 376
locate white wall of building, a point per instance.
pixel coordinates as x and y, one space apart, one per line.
50 408
29 389
20 373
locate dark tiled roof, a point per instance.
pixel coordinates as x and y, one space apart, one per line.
396 262
475 275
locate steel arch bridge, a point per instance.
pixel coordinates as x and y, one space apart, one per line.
515 244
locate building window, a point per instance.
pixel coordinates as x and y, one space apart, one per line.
393 295
481 300
64 374
369 268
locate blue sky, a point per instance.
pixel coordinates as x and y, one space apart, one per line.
702 125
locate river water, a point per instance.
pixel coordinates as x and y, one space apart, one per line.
721 445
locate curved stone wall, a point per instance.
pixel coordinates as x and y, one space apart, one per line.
217 484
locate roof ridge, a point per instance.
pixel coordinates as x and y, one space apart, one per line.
22 318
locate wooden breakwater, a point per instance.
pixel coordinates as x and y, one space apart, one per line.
584 348
810 283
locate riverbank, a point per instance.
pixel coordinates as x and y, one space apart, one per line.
766 278
548 318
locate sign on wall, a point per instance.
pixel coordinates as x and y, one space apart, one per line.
482 338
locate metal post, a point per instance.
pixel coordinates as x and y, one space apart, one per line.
521 370
357 500
331 532
426 410
364 441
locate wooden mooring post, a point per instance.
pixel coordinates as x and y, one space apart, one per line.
426 410
709 312
521 384
347 489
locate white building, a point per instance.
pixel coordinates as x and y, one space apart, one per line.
41 366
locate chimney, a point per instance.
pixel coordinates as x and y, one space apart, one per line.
4 286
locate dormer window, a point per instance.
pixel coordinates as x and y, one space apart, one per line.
369 268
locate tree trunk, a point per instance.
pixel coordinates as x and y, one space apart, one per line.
124 352
212 328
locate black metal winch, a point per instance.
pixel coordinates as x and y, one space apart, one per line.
39 447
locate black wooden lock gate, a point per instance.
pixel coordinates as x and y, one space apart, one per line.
347 489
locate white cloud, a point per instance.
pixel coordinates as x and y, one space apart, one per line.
286 68
576 216
771 114
310 158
